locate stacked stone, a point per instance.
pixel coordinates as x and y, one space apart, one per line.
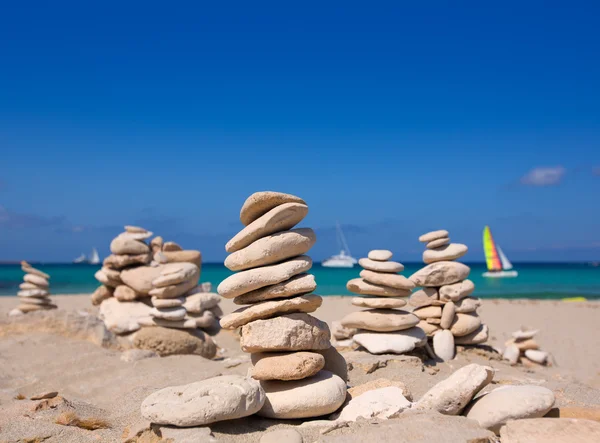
444 305
289 348
34 291
522 348
383 327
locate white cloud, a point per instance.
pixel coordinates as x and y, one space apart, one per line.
544 176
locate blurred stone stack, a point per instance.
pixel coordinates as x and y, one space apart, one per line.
34 292
289 348
444 305
383 327
522 348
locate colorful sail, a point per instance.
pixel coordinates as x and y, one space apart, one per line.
491 254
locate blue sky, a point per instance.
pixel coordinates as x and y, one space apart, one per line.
392 118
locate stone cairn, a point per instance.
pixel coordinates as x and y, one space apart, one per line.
444 305
289 348
522 348
34 292
150 287
383 327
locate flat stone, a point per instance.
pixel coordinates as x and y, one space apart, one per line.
399 342
37 280
186 323
434 320
102 276
468 304
26 285
381 266
35 300
438 243
478 336
425 297
340 332
156 244
33 293
379 303
140 278
170 246
173 291
262 202
379 383
524 345
208 401
188 256
525 334
496 408
428 328
121 261
282 436
334 362
433 235
168 341
383 403
390 280
28 269
464 324
176 273
440 274
252 279
428 312
175 313
448 313
125 293
268 309
206 320
272 249
101 294
167 302
315 396
449 252
290 332
363 287
286 365
200 301
380 255
511 354
122 318
29 307
298 284
450 396
456 291
544 430
136 230
126 244
443 344
381 320
280 218
536 356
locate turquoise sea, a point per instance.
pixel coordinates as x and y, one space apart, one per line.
535 280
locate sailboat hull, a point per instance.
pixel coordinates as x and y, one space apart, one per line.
501 274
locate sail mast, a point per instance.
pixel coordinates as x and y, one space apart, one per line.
343 239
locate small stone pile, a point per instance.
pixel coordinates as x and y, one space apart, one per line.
155 286
383 327
444 305
289 348
34 292
522 348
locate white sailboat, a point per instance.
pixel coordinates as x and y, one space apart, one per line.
344 259
93 259
81 259
497 263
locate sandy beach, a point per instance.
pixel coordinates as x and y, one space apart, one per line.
60 351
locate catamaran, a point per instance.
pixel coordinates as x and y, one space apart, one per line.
344 259
497 263
93 259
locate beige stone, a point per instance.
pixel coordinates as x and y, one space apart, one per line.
298 284
377 384
170 246
29 307
448 313
381 320
340 332
428 312
544 430
173 291
200 301
262 202
456 291
186 323
140 278
390 280
26 285
434 320
285 365
478 336
511 354
363 287
252 279
433 235
103 277
174 313
379 303
33 293
176 273
280 218
167 302
397 342
438 243
135 229
205 320
440 273
268 309
37 280
381 266
428 328
449 252
167 341
189 256
126 244
380 255
28 269
101 294
156 244
468 304
125 293
464 324
290 332
443 344
121 261
523 345
424 297
334 362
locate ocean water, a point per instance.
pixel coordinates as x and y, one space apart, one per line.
535 280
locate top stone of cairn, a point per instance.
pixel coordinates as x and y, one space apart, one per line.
433 235
380 255
262 202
